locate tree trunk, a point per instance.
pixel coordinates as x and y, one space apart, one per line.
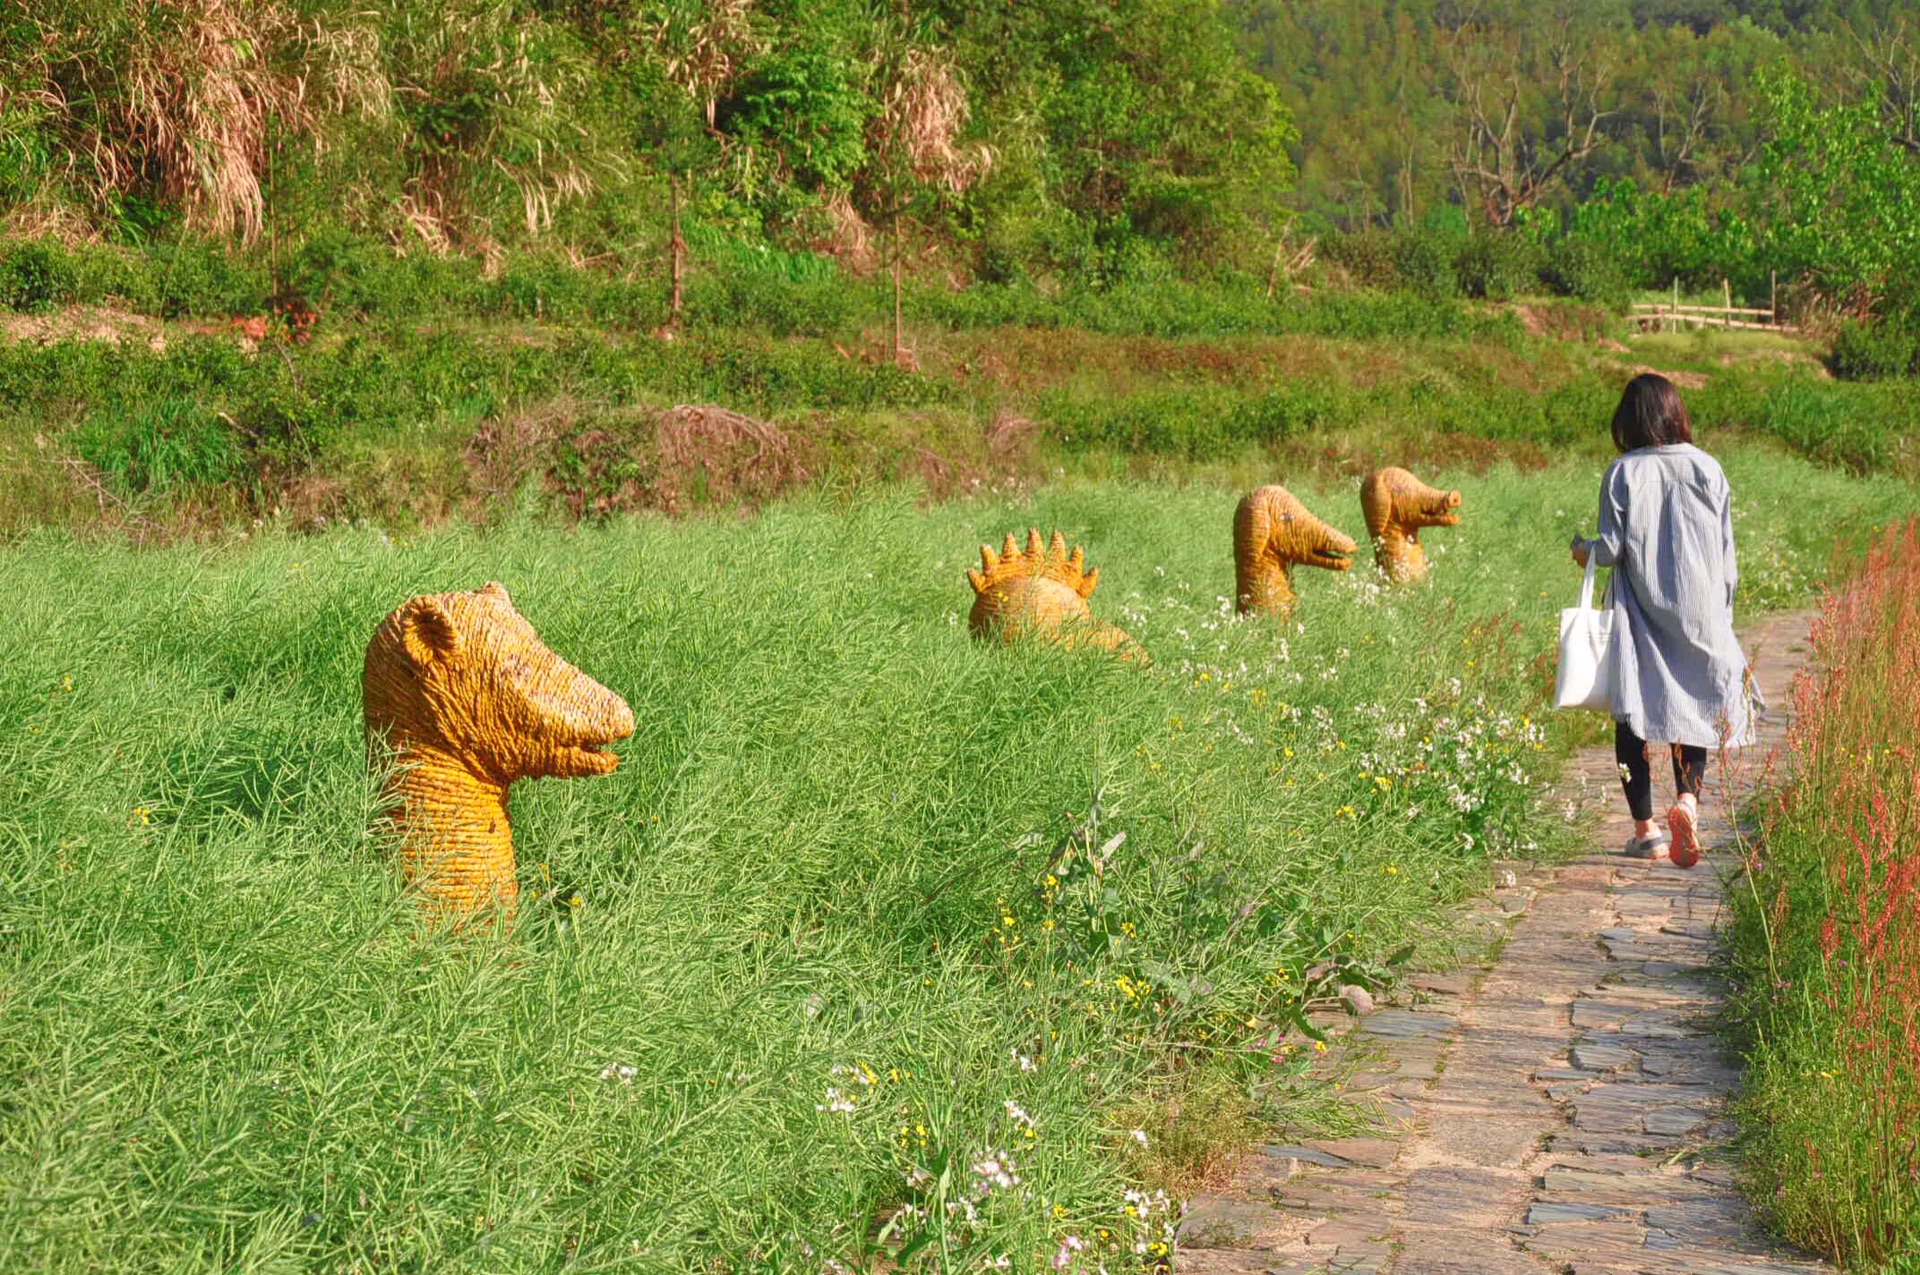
899 343
678 249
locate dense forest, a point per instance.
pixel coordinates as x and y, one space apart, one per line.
1482 148
1411 110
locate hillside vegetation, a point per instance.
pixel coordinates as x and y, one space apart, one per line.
722 332
881 947
1077 141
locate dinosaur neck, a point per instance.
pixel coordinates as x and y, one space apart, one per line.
458 842
1265 584
1399 553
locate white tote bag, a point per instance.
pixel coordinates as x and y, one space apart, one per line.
1586 663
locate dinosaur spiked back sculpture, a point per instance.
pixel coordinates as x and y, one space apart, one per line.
1040 591
1272 533
1397 505
469 699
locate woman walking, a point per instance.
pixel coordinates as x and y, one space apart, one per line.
1679 676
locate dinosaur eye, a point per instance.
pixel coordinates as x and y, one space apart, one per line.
1286 517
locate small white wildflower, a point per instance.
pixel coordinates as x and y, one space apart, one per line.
993 1172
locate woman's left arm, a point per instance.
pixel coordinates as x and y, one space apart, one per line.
1729 564
1612 540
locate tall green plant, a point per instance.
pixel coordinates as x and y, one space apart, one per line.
1655 237
1841 196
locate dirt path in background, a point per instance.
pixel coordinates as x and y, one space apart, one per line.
1561 1111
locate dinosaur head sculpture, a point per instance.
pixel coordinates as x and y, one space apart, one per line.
1272 533
470 699
1397 505
1040 591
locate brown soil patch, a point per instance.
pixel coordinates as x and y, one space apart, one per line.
1685 380
1791 358
84 323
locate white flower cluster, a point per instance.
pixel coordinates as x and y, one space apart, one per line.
1153 1218
992 1172
838 1100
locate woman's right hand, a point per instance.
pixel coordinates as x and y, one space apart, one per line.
1580 551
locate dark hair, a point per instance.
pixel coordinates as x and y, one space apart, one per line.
1650 415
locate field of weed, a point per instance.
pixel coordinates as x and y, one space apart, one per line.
880 946
1826 939
406 426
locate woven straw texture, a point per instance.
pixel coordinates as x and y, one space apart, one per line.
1272 533
1396 506
1040 592
465 698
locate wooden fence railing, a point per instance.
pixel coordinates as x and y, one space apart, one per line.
1658 316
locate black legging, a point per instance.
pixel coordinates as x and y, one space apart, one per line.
1636 775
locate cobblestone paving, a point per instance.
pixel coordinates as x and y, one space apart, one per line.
1560 1109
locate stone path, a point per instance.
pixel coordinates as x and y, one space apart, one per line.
1559 1110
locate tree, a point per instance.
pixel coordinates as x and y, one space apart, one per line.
1841 196
912 146
1530 112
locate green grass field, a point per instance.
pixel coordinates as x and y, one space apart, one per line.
800 981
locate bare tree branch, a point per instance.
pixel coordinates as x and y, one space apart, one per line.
1498 162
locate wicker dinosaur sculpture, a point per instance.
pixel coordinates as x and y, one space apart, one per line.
1397 505
1272 533
1040 591
469 699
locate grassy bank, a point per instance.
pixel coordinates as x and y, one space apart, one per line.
178 428
1826 938
822 993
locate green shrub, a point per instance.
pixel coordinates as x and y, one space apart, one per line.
1862 430
1875 350
1426 262
1498 266
780 296
114 275
202 278
173 443
34 276
1207 423
1370 257
1583 268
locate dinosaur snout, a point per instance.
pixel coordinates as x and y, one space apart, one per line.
590 718
1334 551
1440 509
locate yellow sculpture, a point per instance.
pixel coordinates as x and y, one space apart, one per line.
1397 505
469 699
1272 533
1041 591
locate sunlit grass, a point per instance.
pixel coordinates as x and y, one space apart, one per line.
827 990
